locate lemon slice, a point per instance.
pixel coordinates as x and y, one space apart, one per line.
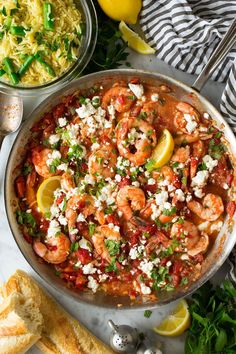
162 152
134 41
127 10
45 193
176 323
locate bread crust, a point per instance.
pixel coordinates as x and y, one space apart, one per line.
20 324
62 334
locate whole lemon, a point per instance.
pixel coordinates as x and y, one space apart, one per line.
126 10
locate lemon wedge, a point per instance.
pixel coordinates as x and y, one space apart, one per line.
134 41
45 193
127 10
162 152
176 323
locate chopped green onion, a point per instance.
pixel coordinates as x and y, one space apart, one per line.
48 17
25 66
9 68
47 67
19 31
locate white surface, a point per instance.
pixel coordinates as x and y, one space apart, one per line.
95 319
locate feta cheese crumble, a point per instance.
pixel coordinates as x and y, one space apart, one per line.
137 89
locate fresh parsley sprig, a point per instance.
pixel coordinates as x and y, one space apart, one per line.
110 51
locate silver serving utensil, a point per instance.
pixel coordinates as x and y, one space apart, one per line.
11 113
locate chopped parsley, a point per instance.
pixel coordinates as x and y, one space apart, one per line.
27 168
147 313
74 246
92 227
112 267
169 212
113 247
75 151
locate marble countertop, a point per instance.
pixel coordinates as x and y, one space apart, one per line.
95 318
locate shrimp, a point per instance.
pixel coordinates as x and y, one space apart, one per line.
120 97
130 199
67 181
181 154
60 247
195 242
83 204
147 212
102 233
210 209
102 162
184 115
135 140
149 112
186 138
30 193
39 159
198 152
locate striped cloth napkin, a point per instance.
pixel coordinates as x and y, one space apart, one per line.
185 33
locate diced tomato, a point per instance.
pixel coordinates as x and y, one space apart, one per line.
125 181
150 188
68 277
84 256
121 99
135 111
220 173
68 100
27 237
163 239
198 258
150 228
44 225
60 198
59 110
44 123
135 81
48 130
112 219
80 281
175 280
229 178
20 186
230 208
164 261
134 237
177 267
64 151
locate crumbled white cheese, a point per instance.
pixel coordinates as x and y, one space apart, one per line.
95 146
155 211
53 229
200 179
85 244
198 192
210 163
89 269
102 278
53 139
161 198
62 220
92 284
54 155
85 110
118 178
62 167
191 123
151 181
81 218
145 290
146 267
137 89
180 195
206 115
154 97
225 186
111 111
62 122
135 184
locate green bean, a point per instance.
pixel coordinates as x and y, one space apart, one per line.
48 16
47 67
9 68
18 31
25 66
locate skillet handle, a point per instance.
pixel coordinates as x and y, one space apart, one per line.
217 56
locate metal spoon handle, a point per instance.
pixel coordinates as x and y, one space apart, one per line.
217 56
1 140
